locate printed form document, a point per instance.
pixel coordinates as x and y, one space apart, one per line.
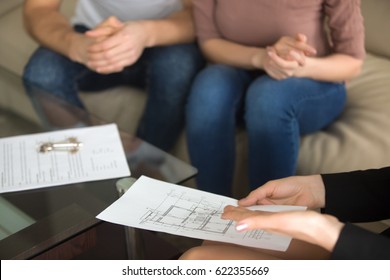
38 160
159 206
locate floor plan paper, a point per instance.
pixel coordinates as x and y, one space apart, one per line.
23 167
164 207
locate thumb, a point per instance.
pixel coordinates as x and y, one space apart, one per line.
261 194
114 22
301 37
106 28
247 201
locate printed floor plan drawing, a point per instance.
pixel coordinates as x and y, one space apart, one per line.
179 211
154 205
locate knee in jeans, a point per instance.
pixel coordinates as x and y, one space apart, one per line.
215 94
37 76
268 96
217 78
46 69
183 59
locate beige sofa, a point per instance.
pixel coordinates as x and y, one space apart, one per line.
359 139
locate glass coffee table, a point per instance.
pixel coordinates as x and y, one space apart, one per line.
59 222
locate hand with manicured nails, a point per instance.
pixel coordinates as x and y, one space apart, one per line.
306 191
309 226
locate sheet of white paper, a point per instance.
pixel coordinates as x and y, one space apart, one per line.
159 206
23 167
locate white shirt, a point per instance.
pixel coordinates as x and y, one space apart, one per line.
92 12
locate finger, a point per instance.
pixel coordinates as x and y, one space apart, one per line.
227 213
115 22
297 43
306 48
258 196
111 21
106 67
101 31
101 46
279 73
301 46
280 62
252 198
268 194
235 214
301 37
255 220
279 68
231 208
228 208
108 27
111 53
275 70
109 43
298 57
114 64
233 211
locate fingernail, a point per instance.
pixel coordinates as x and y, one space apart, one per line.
241 227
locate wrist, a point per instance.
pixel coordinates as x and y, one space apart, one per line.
310 69
258 58
318 191
301 71
148 32
73 53
327 231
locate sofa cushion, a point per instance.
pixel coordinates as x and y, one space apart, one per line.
359 139
7 5
377 21
16 45
127 101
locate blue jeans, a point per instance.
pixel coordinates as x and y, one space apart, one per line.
165 72
275 113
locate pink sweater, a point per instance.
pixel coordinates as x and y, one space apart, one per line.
261 23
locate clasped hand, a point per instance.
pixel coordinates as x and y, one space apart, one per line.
112 45
287 56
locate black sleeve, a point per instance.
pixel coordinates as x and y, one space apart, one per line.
358 196
356 243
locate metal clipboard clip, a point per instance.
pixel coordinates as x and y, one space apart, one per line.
71 145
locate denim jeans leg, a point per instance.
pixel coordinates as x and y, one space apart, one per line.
50 73
169 75
212 108
54 73
278 113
